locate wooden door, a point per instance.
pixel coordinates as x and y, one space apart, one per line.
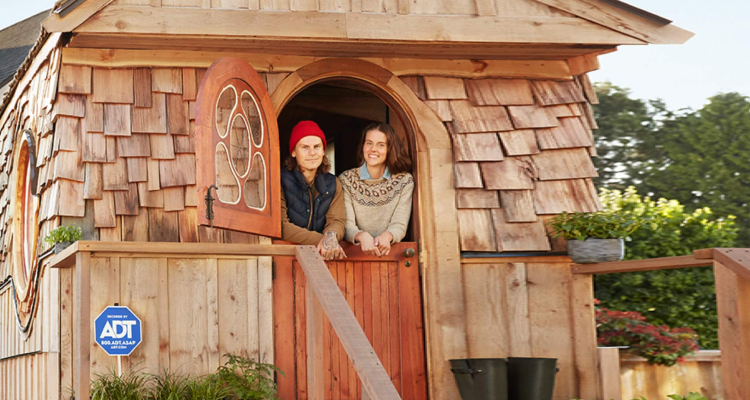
237 150
384 294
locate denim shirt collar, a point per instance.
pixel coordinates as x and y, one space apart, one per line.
364 174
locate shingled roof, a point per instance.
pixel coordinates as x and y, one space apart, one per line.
15 43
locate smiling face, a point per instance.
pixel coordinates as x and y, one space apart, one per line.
309 153
375 148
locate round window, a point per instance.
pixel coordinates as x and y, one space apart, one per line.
25 212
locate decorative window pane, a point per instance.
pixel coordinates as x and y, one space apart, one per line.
238 150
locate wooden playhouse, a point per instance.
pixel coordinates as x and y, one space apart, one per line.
115 124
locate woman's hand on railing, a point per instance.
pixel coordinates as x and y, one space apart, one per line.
367 243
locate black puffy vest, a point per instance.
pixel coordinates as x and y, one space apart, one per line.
297 194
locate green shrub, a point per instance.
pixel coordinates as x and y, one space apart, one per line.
238 379
132 385
247 379
66 233
601 225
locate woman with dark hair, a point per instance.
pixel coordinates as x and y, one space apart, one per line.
378 194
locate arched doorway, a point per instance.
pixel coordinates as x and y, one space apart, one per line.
436 212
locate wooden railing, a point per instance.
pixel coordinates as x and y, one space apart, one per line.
732 275
325 299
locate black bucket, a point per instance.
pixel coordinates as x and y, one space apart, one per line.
481 378
531 378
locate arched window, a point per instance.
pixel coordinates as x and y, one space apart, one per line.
25 210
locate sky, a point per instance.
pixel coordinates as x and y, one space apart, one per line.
715 60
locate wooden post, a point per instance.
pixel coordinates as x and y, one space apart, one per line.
375 380
609 373
733 303
315 371
81 326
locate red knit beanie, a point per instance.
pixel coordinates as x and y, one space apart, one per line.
304 129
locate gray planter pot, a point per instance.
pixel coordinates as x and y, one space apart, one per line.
594 250
60 246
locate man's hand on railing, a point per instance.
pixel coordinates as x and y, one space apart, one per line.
330 248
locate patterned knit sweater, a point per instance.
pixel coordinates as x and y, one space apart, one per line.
377 205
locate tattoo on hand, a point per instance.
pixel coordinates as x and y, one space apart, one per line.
329 241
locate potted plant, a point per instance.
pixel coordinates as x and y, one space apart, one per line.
63 236
596 237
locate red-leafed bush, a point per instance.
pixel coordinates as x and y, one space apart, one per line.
658 344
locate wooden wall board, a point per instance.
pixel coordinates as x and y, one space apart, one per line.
68 165
111 149
67 134
564 164
94 182
177 115
162 147
416 84
476 230
115 175
117 119
442 109
551 322
113 86
142 87
190 84
177 172
74 79
188 221
519 236
150 198
104 211
518 205
588 89
72 105
135 145
166 80
467 175
191 196
94 119
499 92
70 202
185 144
525 117
514 173
477 147
519 142
94 147
572 195
570 134
162 226
135 227
174 198
468 118
153 119
565 110
442 88
477 198
137 169
582 306
153 175
487 314
549 93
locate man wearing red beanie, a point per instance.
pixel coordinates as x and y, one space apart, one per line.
312 204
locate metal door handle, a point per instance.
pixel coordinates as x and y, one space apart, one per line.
409 253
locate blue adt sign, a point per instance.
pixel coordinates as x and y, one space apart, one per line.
118 331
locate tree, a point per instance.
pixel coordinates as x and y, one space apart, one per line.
677 298
701 159
624 123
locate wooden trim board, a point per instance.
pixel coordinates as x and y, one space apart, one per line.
640 265
66 258
351 26
120 58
